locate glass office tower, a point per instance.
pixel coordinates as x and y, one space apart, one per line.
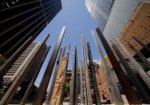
121 13
100 11
20 19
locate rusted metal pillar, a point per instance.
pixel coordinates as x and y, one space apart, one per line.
138 68
5 67
53 79
141 43
18 80
29 89
127 88
145 63
87 79
74 89
138 85
46 78
113 87
92 69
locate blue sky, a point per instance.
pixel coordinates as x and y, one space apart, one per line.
75 17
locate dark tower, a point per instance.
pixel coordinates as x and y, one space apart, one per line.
20 19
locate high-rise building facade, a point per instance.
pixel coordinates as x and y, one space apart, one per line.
21 19
137 30
100 11
20 62
121 13
24 69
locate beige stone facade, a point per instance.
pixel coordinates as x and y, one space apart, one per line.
138 26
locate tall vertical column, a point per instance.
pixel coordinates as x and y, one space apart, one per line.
127 88
114 90
20 77
81 86
74 89
138 68
92 69
145 63
53 79
46 78
65 74
29 89
87 79
138 85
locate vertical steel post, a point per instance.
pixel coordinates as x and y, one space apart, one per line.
87 79
138 85
63 52
28 91
127 88
141 43
138 68
81 85
76 80
92 69
46 78
53 79
114 90
84 84
145 63
74 90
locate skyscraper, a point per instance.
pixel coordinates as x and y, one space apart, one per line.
100 11
24 69
122 12
21 19
20 62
